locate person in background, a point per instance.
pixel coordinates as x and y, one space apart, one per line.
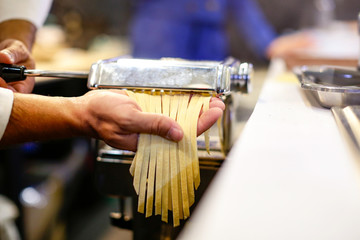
196 30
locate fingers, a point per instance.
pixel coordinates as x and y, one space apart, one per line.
13 51
25 86
126 120
125 142
123 92
157 124
6 57
166 127
3 84
216 102
170 129
208 118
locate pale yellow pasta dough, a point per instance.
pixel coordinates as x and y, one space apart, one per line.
167 173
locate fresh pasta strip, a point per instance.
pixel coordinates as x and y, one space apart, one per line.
182 156
195 160
207 132
144 140
174 170
132 166
166 164
159 143
189 154
132 95
165 172
181 208
153 158
145 161
221 134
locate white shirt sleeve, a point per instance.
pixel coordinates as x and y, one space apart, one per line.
6 103
34 11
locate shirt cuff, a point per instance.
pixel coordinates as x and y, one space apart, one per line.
34 11
6 103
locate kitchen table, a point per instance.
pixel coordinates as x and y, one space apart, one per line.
292 174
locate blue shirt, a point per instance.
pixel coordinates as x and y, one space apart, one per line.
195 29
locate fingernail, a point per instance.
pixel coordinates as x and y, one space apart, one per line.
175 134
9 55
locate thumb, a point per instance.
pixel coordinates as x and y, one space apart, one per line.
6 57
157 124
13 52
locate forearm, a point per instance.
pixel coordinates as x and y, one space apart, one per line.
35 118
21 30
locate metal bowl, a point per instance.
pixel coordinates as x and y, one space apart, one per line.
331 86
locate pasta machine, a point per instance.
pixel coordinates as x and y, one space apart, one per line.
222 79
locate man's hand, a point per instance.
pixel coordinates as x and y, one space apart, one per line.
117 119
15 52
16 40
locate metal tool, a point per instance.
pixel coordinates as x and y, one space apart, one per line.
13 73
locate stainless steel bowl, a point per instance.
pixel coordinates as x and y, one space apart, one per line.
331 86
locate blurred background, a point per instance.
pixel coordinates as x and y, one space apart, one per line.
52 183
92 30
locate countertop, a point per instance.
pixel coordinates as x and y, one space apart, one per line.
292 174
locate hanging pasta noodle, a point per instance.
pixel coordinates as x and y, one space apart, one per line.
159 143
142 162
207 132
166 164
174 172
133 163
166 171
182 156
195 159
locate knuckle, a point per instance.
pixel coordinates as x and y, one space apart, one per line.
158 126
126 122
